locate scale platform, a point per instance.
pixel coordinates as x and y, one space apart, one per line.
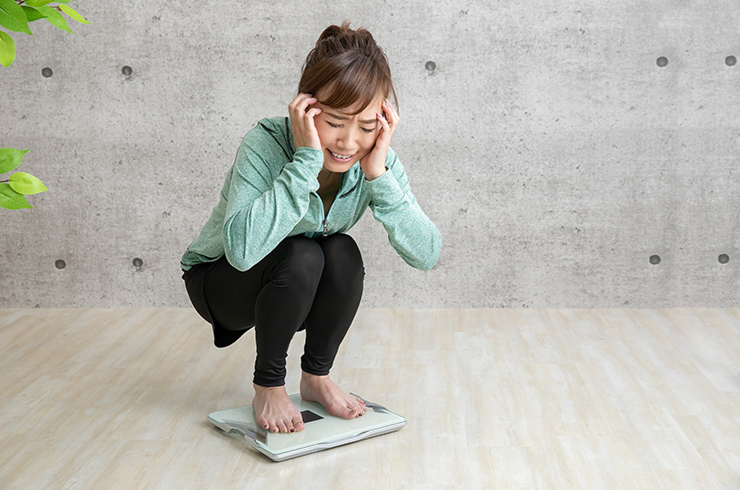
323 431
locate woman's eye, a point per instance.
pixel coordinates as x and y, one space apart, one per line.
368 130
332 124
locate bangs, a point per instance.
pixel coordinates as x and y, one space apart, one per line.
348 80
355 83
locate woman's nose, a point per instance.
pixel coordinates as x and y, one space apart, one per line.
346 139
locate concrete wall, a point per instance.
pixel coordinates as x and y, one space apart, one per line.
554 153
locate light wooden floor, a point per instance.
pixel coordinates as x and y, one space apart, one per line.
529 399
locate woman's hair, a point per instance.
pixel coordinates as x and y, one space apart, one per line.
347 67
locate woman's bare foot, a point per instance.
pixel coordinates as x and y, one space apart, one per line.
274 411
335 400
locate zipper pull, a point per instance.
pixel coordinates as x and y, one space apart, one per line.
326 228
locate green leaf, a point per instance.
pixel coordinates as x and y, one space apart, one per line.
26 184
9 199
10 158
7 49
72 13
32 14
54 17
37 3
12 17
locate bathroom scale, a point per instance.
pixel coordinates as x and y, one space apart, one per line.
323 431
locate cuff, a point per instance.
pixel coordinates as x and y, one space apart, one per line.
385 189
309 156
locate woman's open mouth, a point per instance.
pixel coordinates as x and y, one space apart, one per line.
341 158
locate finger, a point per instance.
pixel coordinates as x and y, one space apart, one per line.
388 108
313 112
301 97
296 100
308 121
390 113
299 104
384 124
304 103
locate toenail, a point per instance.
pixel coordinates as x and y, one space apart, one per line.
292 430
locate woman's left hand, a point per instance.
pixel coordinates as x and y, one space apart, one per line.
373 164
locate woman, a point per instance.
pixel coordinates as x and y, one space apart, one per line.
274 254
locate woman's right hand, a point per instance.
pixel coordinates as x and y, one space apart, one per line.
301 121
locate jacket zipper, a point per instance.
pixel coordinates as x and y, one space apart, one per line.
326 228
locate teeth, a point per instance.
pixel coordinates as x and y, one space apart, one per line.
341 157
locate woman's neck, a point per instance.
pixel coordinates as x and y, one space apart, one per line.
328 179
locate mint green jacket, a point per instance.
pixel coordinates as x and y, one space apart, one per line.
270 194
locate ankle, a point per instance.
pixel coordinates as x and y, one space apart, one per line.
267 389
313 378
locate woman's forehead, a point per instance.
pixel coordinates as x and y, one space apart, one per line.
351 111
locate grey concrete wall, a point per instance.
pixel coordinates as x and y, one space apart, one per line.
554 153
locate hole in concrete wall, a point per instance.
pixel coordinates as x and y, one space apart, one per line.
662 61
655 259
126 70
47 72
430 66
60 264
138 262
723 259
730 61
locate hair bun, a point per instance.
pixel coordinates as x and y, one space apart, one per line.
336 39
334 31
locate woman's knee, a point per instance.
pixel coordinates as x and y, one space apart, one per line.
300 262
342 255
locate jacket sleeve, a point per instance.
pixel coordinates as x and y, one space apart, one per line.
410 232
262 208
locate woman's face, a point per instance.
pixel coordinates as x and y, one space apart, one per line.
345 137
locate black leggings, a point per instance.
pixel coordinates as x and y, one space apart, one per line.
304 283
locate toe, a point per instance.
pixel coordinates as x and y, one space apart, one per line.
299 426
